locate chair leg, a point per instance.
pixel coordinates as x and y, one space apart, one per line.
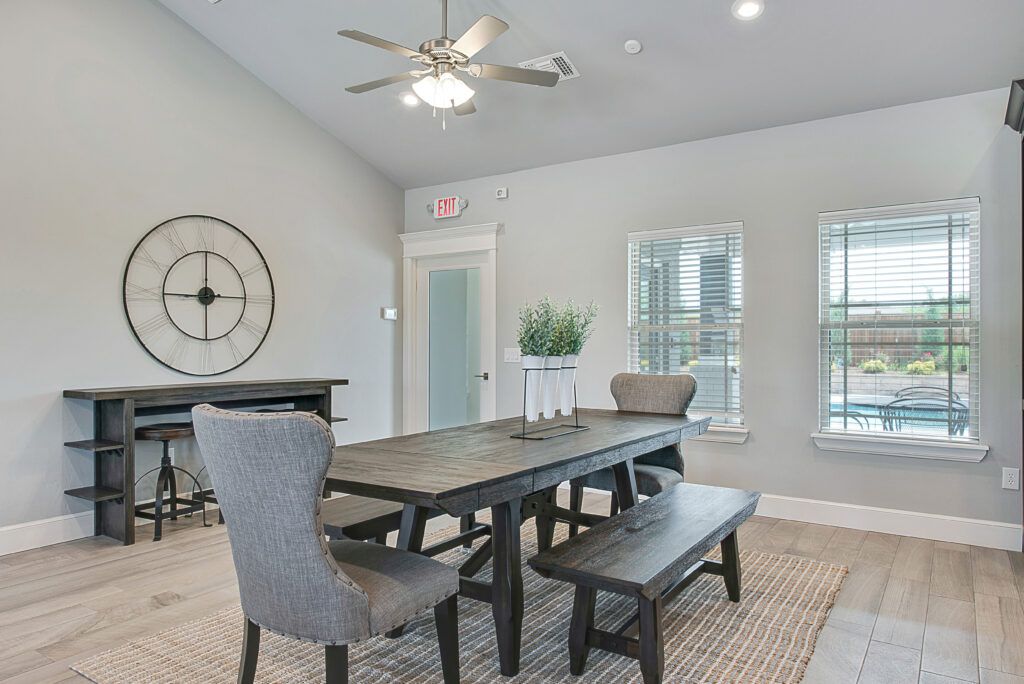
446 617
575 504
731 566
250 652
614 509
172 481
466 523
336 661
158 506
582 620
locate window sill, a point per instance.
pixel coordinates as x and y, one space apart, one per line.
940 450
727 434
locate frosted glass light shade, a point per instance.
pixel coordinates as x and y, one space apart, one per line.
442 92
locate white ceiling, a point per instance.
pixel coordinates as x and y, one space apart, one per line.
701 74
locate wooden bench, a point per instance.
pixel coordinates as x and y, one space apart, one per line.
651 552
363 518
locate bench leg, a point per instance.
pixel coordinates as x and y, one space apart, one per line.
575 504
582 620
731 566
652 643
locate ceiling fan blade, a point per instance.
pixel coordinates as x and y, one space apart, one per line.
380 42
479 35
514 74
465 108
381 82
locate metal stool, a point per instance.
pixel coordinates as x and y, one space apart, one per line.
166 481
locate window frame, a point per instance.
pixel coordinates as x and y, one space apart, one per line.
721 430
945 447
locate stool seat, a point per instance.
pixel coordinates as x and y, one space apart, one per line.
161 432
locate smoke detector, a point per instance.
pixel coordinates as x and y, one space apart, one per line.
558 63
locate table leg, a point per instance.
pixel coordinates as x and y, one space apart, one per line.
507 586
410 538
625 484
546 525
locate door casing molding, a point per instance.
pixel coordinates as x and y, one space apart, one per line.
462 240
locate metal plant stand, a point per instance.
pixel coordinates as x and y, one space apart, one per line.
548 431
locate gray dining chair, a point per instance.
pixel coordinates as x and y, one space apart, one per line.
268 471
658 470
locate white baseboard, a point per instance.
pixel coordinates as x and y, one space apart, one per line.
37 533
988 533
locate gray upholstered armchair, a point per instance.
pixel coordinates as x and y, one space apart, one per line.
268 471
659 470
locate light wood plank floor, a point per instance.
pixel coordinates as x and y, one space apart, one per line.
911 610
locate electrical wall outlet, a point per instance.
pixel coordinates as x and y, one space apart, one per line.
1011 478
170 452
512 355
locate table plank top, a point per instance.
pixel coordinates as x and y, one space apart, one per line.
198 388
429 468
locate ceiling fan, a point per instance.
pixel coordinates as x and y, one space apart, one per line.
441 58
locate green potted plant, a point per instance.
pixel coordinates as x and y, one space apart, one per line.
548 318
534 340
575 324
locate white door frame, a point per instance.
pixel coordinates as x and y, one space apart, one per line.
479 240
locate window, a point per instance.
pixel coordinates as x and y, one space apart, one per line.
686 311
899 320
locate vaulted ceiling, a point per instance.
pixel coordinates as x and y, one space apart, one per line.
701 73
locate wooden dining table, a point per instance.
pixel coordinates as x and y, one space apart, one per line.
466 469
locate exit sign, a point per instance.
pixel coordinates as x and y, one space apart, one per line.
447 207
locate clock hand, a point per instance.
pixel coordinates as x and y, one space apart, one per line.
195 296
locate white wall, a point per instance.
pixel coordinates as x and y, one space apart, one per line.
114 116
565 235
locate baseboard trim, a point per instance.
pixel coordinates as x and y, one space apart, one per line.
37 533
989 533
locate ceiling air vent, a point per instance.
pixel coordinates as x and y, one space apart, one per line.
558 63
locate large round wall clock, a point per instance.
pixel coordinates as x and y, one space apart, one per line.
198 295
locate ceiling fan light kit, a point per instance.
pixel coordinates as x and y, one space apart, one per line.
440 59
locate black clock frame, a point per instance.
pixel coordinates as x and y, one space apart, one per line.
124 295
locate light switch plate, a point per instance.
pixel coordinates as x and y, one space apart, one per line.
501 193
389 313
512 355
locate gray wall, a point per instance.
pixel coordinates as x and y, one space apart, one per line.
565 235
116 116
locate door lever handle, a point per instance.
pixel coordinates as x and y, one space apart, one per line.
483 376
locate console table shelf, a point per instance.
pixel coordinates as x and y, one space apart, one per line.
95 494
95 445
115 410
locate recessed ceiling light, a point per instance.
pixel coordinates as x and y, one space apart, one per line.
633 47
747 10
410 99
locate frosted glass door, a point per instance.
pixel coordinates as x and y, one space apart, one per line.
454 339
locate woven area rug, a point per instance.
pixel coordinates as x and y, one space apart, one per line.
768 637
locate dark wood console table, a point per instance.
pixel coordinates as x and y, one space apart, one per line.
113 443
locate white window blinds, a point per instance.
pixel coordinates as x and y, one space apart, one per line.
899 320
686 311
